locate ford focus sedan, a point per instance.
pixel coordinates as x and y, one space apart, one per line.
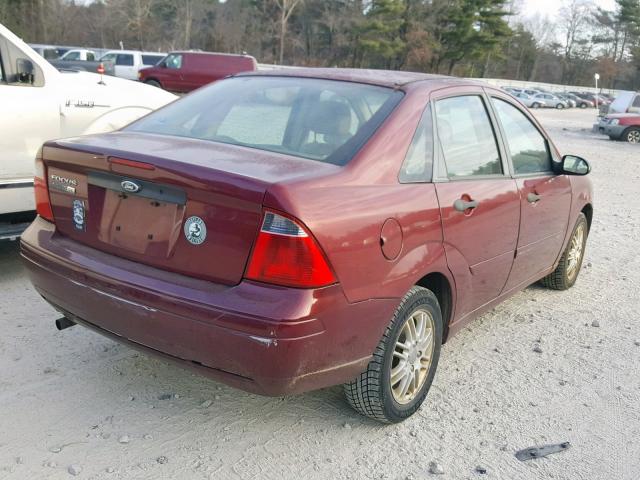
286 231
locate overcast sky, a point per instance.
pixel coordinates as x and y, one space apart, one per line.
550 7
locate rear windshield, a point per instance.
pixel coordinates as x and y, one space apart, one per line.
321 120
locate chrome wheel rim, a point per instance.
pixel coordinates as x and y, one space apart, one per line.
576 249
634 136
412 356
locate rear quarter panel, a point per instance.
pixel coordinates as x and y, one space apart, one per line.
346 212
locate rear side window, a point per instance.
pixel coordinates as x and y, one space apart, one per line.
466 137
90 56
527 146
151 59
418 163
322 120
124 60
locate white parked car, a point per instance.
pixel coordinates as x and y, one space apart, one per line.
40 103
529 101
129 62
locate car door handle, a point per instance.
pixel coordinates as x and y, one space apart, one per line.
533 198
463 205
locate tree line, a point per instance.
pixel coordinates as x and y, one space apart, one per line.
479 38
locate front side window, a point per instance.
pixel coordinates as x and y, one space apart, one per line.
418 163
321 120
466 137
72 56
527 146
173 61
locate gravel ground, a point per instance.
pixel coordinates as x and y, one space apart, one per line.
74 403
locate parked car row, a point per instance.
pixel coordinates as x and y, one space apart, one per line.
539 98
120 63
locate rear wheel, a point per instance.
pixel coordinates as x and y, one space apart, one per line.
153 83
632 135
566 273
560 106
583 105
401 370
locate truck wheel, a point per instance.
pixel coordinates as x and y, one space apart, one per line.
153 83
399 375
632 135
566 273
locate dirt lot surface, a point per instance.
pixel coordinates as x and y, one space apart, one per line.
74 402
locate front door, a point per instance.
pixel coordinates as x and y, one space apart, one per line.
545 198
30 116
479 200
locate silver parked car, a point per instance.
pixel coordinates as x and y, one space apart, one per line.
529 101
551 100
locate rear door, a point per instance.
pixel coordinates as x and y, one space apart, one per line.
125 66
478 199
545 198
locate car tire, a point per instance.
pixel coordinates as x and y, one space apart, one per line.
583 105
566 273
559 106
372 393
153 83
631 135
535 105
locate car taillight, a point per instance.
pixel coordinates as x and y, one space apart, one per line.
100 69
286 254
41 191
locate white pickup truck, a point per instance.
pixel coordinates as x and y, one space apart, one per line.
129 62
40 103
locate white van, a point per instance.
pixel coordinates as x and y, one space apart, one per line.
40 103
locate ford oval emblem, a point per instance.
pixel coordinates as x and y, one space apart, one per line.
129 186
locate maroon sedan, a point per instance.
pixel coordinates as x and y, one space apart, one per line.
292 230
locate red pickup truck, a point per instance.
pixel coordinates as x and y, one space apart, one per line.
182 72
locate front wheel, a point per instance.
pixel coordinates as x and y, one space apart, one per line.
583 105
401 370
535 105
153 83
559 106
632 135
566 273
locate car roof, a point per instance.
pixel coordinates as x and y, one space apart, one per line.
198 52
384 78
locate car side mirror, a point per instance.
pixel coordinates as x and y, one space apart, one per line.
573 165
24 71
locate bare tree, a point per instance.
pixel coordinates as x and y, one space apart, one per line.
286 9
574 17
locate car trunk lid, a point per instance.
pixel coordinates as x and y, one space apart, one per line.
184 205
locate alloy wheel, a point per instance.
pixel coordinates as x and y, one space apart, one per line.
633 136
574 259
412 356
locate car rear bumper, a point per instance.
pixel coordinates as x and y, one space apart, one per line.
260 338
